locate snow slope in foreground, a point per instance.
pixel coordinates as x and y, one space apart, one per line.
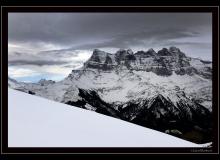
38 122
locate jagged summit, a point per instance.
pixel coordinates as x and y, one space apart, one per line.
151 52
99 55
174 49
124 51
44 82
164 52
97 50
176 52
146 54
164 62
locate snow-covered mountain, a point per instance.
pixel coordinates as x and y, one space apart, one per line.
166 91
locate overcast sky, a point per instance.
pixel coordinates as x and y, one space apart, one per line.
50 45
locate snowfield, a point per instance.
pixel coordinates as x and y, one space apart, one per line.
39 122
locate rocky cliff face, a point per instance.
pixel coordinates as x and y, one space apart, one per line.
164 63
164 90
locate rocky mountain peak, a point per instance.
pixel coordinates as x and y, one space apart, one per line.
98 56
151 50
164 52
129 51
97 52
176 52
174 49
163 63
44 82
146 54
150 53
124 55
124 51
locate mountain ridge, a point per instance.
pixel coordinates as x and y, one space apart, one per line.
164 62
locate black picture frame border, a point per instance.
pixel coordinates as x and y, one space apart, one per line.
103 150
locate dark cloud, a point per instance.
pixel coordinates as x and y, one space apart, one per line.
70 66
198 44
74 29
61 53
35 62
154 36
66 40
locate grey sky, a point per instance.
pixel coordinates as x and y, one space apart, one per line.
37 38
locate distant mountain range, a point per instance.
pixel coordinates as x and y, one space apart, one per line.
167 91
